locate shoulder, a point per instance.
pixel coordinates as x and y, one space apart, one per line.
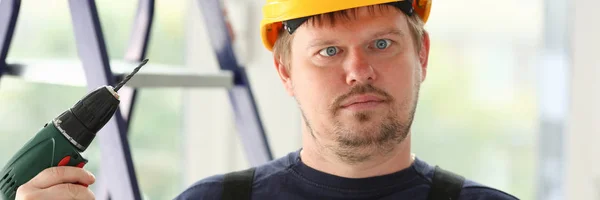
211 188
476 191
471 190
205 189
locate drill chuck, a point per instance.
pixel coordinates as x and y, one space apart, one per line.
81 123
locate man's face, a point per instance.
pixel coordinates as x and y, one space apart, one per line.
356 82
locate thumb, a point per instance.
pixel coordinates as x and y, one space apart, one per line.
64 174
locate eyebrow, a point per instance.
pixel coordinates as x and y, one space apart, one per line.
390 31
320 42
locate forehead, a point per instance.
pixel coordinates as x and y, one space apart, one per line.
369 18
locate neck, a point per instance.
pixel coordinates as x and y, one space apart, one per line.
323 159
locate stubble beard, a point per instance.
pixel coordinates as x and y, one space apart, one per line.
356 145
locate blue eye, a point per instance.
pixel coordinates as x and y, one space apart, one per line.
382 43
329 51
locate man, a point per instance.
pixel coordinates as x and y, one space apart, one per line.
355 68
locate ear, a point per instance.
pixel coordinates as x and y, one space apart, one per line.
284 75
424 55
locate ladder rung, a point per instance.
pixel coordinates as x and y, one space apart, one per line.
70 72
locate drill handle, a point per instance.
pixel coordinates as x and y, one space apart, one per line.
48 148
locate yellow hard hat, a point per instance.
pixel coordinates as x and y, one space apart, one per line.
278 12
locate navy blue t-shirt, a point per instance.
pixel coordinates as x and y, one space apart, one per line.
287 178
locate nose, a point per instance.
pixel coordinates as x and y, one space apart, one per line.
358 69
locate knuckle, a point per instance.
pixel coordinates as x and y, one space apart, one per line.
29 196
91 195
74 191
56 171
24 194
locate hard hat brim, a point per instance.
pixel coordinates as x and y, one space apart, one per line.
275 12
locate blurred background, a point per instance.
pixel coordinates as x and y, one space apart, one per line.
496 106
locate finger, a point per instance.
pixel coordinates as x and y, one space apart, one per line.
25 193
65 191
68 191
58 175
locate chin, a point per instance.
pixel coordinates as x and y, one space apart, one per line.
365 117
364 134
370 128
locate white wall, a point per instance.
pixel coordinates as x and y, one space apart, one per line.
583 133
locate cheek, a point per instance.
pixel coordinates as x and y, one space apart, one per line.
399 79
314 87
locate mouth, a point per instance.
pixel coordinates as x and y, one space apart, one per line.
362 102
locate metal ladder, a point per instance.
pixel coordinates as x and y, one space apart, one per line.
117 167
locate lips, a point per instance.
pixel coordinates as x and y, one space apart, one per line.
361 99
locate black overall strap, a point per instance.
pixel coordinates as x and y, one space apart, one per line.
446 185
238 185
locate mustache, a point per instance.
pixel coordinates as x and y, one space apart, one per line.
358 90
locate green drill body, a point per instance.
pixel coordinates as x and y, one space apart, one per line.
45 150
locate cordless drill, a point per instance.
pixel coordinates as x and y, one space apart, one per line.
60 141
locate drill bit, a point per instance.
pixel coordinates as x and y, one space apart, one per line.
130 75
